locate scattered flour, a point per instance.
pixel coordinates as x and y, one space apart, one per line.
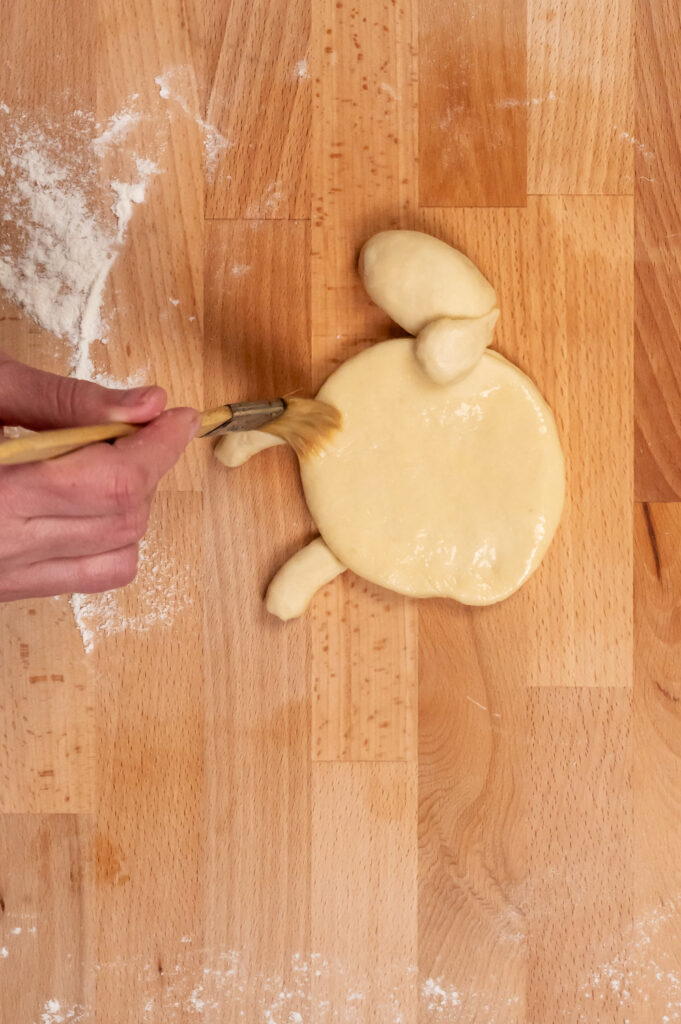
179 84
270 201
4 953
194 1002
61 242
647 154
54 1013
240 269
117 127
439 996
160 591
308 988
110 380
301 70
645 972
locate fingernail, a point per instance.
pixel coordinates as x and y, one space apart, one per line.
136 396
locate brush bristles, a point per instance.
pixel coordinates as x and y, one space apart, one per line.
306 425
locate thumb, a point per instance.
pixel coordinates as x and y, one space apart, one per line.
40 400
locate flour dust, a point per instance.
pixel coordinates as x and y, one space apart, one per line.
63 228
160 594
178 84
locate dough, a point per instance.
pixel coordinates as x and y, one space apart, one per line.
448 349
447 476
431 490
236 448
416 278
298 580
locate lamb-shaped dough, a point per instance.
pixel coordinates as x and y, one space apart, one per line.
447 476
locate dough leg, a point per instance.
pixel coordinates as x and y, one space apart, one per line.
235 449
298 580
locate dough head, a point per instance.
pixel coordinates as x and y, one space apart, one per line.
447 476
417 278
430 490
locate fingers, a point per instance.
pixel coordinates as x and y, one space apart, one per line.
40 400
102 479
47 537
87 574
157 446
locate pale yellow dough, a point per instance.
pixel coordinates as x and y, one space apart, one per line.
449 348
417 278
236 448
447 477
298 580
431 490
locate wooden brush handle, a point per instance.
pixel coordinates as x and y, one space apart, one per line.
48 444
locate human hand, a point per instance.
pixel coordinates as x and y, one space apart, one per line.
74 523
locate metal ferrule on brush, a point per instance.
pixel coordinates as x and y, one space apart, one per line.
250 416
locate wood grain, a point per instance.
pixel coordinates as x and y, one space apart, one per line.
206 25
257 340
654 969
517 860
579 95
150 833
472 103
157 328
578 904
263 173
363 160
364 891
562 273
49 57
46 917
47 712
473 735
46 696
257 702
364 673
364 130
657 149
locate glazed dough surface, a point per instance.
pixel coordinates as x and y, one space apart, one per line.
435 490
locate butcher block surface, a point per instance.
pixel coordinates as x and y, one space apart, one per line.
389 811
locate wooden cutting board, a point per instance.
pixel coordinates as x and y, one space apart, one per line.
389 811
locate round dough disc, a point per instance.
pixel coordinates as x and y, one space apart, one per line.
431 490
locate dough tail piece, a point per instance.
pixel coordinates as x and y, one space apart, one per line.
306 424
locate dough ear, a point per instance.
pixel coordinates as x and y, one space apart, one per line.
448 349
299 579
417 278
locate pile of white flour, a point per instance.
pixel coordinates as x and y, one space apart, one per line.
61 235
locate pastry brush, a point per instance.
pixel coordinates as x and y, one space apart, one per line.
304 423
